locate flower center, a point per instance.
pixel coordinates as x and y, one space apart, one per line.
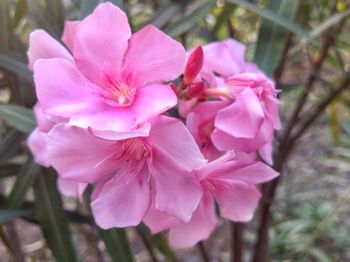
116 93
135 149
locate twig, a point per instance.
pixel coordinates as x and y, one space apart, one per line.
147 245
204 253
317 64
237 242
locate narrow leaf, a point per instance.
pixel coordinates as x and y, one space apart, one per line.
117 244
10 142
4 41
52 218
25 179
13 64
88 6
20 11
20 117
7 215
165 14
272 37
187 22
273 17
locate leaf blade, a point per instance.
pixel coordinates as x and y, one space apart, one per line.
53 220
20 117
272 37
269 15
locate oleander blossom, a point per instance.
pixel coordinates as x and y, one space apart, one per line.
230 181
237 108
130 174
103 120
110 80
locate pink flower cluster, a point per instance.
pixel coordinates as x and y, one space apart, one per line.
103 119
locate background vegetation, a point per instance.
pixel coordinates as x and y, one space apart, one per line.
304 214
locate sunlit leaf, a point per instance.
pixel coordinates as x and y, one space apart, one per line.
20 12
165 14
188 21
272 37
273 17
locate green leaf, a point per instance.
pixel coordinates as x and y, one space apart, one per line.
88 6
272 37
327 24
273 17
20 12
117 244
187 22
12 63
159 241
223 18
53 220
4 34
7 215
20 117
10 142
165 14
25 179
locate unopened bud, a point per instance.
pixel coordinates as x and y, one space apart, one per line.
194 65
195 90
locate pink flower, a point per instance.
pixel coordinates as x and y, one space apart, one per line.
238 108
232 183
37 143
132 173
114 81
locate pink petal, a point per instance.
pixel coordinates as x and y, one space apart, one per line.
78 155
199 228
237 201
105 122
121 204
173 140
243 118
70 187
69 33
265 153
224 141
101 41
152 56
158 221
177 192
272 111
37 144
43 120
43 46
140 131
152 100
236 171
225 58
62 90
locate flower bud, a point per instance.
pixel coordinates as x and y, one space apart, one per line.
195 90
194 65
